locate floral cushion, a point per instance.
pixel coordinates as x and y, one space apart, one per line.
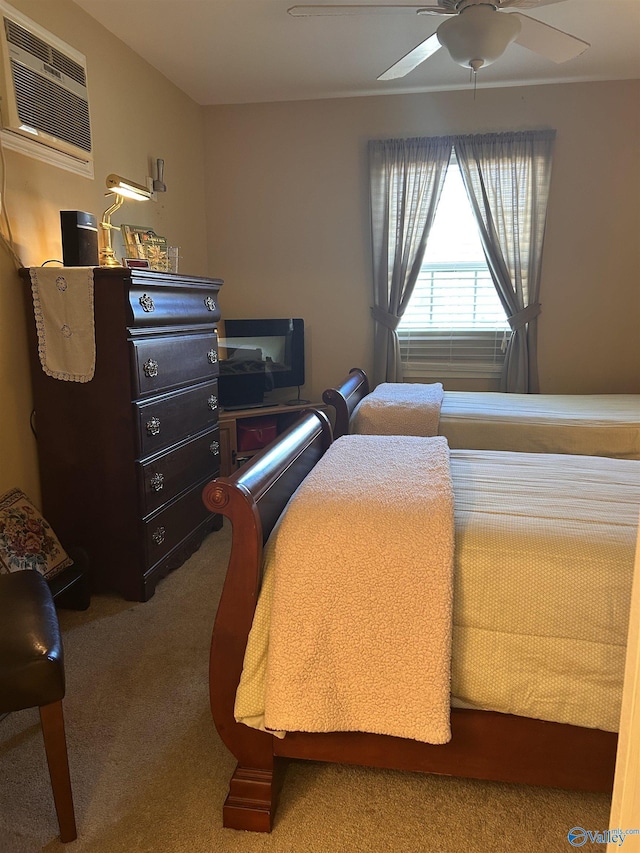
26 539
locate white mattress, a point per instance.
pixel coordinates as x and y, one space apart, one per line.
543 566
591 425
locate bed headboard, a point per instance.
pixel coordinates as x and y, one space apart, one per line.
345 398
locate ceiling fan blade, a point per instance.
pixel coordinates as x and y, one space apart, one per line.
525 4
548 41
363 9
412 59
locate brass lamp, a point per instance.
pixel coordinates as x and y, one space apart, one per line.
121 188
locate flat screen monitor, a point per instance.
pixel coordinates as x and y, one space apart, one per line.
258 356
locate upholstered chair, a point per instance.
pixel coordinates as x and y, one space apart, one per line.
32 675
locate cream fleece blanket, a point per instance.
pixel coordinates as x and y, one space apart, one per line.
399 408
362 557
63 309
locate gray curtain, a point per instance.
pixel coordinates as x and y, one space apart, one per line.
406 179
507 177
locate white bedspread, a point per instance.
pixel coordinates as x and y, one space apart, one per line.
586 424
543 566
543 570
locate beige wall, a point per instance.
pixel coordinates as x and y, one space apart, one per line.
137 116
289 232
285 220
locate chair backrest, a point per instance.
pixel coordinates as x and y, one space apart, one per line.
31 653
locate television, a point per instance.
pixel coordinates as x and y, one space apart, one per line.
256 357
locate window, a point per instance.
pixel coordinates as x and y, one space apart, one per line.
455 324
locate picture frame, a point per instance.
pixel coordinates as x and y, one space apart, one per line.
143 243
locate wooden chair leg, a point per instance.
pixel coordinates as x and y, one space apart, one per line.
55 744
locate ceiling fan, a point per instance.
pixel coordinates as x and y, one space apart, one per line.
476 33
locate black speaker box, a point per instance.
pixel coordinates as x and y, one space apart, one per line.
79 238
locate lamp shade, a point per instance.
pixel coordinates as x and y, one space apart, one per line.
478 35
127 188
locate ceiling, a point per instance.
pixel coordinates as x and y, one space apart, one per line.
245 51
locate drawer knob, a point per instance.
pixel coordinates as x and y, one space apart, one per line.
158 535
214 447
147 303
212 356
157 482
210 303
150 368
153 426
212 402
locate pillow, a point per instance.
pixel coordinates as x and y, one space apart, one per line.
27 540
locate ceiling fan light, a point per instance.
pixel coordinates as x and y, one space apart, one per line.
479 34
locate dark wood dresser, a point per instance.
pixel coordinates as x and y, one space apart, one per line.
124 457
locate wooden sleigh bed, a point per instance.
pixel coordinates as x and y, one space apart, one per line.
484 744
585 424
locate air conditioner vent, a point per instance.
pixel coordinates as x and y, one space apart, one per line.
68 67
27 41
36 47
44 97
55 111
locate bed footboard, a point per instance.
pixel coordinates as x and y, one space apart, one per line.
345 398
253 499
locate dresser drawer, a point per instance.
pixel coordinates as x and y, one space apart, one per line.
157 301
167 361
166 476
166 529
166 420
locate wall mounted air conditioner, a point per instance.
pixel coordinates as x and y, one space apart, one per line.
43 89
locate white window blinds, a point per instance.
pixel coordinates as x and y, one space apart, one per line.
454 324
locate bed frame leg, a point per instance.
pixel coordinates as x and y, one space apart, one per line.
252 799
